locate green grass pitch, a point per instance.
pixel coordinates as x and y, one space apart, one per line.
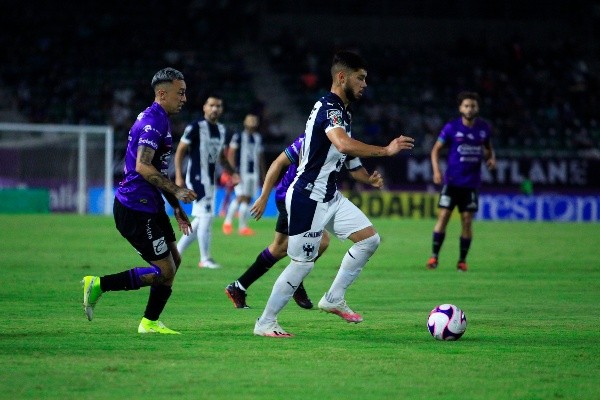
531 297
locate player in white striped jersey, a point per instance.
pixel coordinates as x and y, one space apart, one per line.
246 156
314 203
205 139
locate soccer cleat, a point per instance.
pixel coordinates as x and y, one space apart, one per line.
227 228
147 326
301 297
91 294
461 266
432 263
210 264
340 308
246 232
270 329
237 296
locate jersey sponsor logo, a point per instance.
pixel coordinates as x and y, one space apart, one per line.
149 142
313 234
159 245
335 118
444 201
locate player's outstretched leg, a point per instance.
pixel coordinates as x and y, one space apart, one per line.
91 294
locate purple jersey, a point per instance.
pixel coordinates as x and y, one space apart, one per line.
151 129
465 151
293 153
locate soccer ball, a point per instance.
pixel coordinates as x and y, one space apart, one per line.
447 322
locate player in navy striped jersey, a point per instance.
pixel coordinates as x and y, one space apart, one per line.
246 156
468 140
314 204
205 139
288 161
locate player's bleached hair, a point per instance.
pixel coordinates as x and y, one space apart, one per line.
462 96
166 75
347 60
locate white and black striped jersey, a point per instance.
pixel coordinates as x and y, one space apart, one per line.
248 149
205 141
320 160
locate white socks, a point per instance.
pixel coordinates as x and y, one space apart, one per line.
243 216
231 211
201 230
352 264
284 288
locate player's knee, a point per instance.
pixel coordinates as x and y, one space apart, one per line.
156 273
370 244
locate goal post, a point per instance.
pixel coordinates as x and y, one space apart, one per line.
49 141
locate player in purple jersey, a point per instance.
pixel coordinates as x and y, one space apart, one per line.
314 203
468 140
139 208
278 247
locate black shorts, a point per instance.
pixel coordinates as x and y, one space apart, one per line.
148 233
465 198
282 219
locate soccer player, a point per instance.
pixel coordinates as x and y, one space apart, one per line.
313 202
205 140
139 208
246 155
277 249
468 140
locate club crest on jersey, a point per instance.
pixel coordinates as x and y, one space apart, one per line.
335 118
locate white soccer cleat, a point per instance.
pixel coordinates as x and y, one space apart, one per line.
270 329
340 308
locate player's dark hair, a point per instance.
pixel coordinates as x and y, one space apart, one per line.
347 59
214 95
468 95
166 75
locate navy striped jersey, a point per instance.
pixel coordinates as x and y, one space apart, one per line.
206 141
248 148
320 160
293 154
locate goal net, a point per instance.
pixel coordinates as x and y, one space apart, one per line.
73 162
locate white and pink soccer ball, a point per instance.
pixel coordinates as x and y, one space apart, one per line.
447 322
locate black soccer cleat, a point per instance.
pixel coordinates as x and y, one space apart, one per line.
237 296
301 297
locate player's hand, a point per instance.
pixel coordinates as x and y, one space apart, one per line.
186 195
376 180
184 223
491 163
400 143
258 208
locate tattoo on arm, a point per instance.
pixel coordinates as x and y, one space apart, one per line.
145 156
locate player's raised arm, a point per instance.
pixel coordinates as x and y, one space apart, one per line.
347 145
